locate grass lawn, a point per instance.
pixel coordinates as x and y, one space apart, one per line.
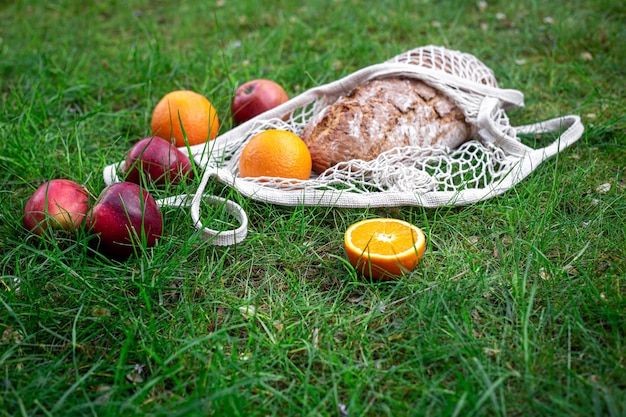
518 307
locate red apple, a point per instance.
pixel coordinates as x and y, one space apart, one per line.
124 218
256 97
158 160
58 204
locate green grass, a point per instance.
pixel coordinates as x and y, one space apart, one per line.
518 307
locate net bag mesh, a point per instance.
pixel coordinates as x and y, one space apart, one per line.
492 162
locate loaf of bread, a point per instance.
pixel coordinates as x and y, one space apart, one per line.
382 114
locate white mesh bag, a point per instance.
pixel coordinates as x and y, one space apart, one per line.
489 164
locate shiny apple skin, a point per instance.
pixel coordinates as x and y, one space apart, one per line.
60 204
256 97
154 159
124 218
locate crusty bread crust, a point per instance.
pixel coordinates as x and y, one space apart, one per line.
382 114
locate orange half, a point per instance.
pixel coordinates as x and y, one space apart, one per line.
384 248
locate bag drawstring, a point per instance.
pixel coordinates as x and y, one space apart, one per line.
212 236
215 237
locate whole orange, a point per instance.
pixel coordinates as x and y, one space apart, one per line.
275 153
185 113
384 248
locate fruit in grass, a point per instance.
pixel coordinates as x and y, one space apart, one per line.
157 160
58 204
255 97
384 248
193 111
275 153
125 217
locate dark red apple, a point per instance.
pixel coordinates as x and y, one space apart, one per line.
256 97
154 159
125 217
57 204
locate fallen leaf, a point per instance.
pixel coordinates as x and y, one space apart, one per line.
100 312
356 299
105 392
278 326
11 336
570 271
247 311
134 378
603 188
491 352
586 56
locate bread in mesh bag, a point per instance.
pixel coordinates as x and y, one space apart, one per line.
382 114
